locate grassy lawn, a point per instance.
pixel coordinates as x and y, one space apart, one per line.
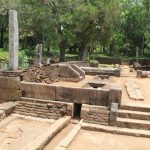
125 58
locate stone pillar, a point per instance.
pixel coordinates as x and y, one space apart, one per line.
113 114
38 55
13 40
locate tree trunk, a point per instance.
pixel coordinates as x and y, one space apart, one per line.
142 48
137 53
2 37
85 54
62 46
81 48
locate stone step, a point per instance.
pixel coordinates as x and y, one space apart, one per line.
116 130
33 114
134 114
133 123
133 107
26 99
36 104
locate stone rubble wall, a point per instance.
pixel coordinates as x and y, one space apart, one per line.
95 114
9 89
43 108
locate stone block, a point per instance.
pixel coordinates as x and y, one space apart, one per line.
2 114
9 82
9 95
8 107
115 94
113 114
95 114
80 95
37 90
66 71
78 69
64 94
99 97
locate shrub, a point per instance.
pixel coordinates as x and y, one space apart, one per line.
94 63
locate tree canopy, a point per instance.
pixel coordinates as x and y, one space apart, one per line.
80 26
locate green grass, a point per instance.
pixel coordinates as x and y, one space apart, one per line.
125 58
3 54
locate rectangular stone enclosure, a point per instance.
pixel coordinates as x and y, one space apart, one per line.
100 97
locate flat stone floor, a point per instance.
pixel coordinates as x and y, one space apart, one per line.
18 133
75 84
143 83
90 140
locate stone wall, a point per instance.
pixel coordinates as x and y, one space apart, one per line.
43 108
102 71
95 114
90 96
9 88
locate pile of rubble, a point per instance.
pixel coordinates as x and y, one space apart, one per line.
45 74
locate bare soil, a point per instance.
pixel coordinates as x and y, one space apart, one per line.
60 136
143 83
90 140
18 133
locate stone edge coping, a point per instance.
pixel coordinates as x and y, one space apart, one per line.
63 145
115 130
34 118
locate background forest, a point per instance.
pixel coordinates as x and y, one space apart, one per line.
79 29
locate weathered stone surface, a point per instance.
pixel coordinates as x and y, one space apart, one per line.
2 114
37 90
99 97
8 107
102 71
9 95
113 114
38 55
44 108
75 95
133 90
66 71
115 94
80 95
78 69
64 94
115 130
95 114
9 82
133 123
134 114
143 74
13 40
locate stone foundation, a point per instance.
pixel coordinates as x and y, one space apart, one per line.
92 96
102 71
95 114
43 108
9 88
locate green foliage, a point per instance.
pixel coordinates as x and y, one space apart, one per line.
113 27
94 63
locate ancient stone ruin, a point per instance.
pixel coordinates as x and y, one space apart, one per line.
38 102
